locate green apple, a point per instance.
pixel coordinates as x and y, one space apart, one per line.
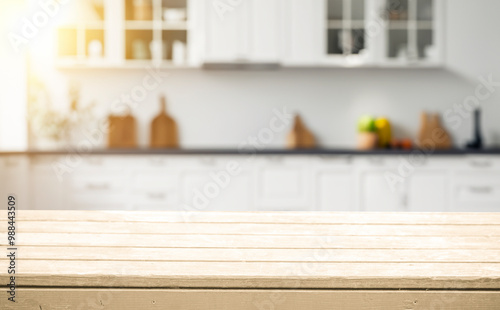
366 123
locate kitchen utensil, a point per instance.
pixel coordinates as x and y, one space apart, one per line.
164 133
300 137
178 53
174 14
477 143
122 132
156 49
95 49
432 133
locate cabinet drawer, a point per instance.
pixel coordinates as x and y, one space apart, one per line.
335 190
144 181
97 182
283 188
97 201
476 192
153 196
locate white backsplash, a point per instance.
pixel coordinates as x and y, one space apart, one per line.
224 108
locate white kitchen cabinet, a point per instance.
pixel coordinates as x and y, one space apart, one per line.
226 31
283 184
427 191
242 31
290 32
376 194
220 183
476 191
335 190
262 183
98 189
202 193
303 32
47 190
154 189
384 32
14 176
266 39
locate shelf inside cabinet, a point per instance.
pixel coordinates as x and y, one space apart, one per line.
335 24
400 24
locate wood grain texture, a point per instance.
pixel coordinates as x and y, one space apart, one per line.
256 255
328 251
113 299
122 131
257 241
300 137
344 218
253 229
164 132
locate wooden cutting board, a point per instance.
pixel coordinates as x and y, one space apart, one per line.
164 132
122 131
432 133
300 137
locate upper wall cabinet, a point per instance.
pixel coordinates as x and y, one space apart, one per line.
238 31
125 33
324 32
170 33
384 32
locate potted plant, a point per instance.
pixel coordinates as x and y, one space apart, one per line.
367 133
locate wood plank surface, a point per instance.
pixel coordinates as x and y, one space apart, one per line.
255 250
345 218
252 229
256 255
255 241
112 299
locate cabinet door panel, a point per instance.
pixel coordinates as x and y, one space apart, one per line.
227 31
283 188
335 191
304 31
428 192
15 179
216 190
265 38
47 189
476 192
377 195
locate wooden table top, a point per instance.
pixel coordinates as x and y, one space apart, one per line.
256 250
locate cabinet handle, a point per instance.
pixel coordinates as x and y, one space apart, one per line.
95 161
208 161
379 161
97 187
156 196
481 189
481 164
156 162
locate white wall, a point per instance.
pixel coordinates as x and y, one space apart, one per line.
223 108
473 49
13 129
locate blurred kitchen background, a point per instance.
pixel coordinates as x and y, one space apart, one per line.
359 73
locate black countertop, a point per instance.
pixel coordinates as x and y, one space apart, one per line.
318 152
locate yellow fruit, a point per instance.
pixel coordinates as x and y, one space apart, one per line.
384 132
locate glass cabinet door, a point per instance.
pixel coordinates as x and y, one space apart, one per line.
81 33
345 27
410 33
